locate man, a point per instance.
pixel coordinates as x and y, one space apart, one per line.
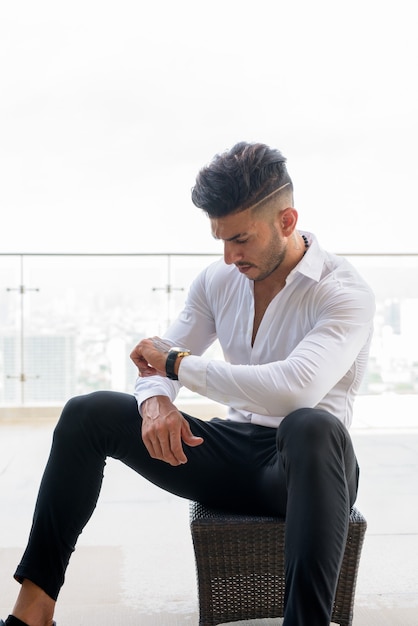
295 324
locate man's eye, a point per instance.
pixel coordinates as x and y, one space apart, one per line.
241 240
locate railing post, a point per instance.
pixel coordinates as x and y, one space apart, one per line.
22 291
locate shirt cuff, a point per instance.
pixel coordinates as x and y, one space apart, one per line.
155 386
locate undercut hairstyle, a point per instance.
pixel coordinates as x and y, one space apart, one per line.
239 178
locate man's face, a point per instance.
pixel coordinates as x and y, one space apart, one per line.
253 244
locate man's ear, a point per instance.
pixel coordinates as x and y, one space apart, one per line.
288 220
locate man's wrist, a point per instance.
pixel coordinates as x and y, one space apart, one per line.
153 406
174 358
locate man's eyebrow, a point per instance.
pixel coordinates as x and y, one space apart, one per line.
233 238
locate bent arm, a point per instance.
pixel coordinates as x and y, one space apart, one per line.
310 371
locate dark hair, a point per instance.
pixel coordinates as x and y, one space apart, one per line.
238 178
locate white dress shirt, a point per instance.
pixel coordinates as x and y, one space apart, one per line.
310 350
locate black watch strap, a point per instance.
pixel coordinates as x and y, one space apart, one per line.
173 355
169 364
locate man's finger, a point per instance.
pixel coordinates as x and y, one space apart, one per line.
188 437
177 448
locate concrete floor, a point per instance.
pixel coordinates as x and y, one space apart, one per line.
134 564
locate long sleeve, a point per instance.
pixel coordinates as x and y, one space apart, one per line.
312 369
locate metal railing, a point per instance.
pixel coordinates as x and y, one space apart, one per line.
69 321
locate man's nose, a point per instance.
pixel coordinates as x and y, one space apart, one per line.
231 252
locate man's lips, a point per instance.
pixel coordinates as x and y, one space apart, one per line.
244 268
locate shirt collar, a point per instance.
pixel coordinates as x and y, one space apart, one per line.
312 263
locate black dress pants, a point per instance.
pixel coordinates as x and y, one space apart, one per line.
305 470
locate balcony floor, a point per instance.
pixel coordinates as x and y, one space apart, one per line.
135 565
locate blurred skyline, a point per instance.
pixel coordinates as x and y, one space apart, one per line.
108 110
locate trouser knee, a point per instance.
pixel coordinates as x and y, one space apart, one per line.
316 447
312 431
86 418
107 421
76 412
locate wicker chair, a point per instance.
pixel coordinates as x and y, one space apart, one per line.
240 566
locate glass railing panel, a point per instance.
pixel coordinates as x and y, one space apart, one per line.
393 363
69 322
82 315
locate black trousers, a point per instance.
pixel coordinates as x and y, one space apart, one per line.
305 470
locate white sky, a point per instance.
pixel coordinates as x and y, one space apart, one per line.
108 110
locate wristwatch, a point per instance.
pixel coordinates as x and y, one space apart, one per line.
173 355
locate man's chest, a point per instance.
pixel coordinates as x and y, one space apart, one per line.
262 330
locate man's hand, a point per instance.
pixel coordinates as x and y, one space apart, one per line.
164 429
150 359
